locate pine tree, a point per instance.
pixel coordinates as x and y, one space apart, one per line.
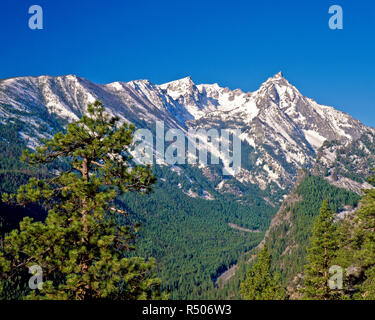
321 255
80 246
364 244
261 283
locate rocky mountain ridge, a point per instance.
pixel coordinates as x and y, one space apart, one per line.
282 130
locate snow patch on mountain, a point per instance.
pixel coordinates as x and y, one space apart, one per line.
282 129
314 138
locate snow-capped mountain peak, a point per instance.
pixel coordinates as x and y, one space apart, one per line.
282 128
278 75
179 87
279 89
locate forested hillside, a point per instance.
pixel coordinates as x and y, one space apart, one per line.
13 173
291 228
289 237
190 238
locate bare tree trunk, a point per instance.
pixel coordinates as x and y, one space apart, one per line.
85 175
85 240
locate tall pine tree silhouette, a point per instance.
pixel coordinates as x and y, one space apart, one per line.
364 243
80 246
321 254
261 283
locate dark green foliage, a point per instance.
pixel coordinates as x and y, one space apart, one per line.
13 172
357 249
80 246
204 228
293 235
322 252
288 239
365 241
261 283
190 237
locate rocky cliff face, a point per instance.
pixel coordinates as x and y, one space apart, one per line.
281 130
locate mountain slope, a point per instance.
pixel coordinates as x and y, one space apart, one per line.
290 230
281 132
281 129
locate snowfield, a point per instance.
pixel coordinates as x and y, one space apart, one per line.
281 129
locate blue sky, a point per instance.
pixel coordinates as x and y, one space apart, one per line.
235 43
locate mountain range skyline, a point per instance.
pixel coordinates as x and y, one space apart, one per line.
281 129
185 79
164 41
